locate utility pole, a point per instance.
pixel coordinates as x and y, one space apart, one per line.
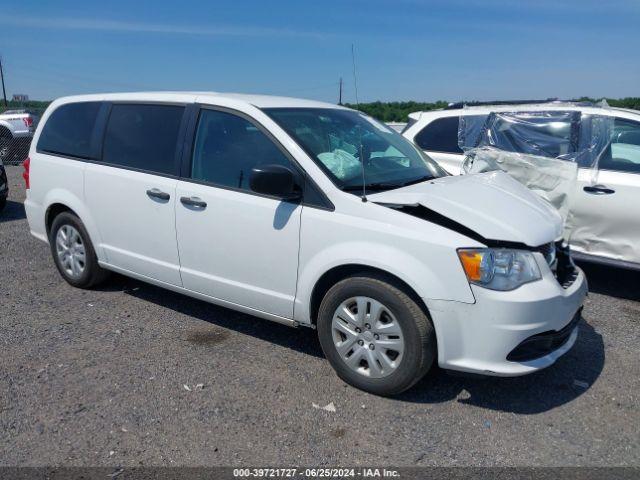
4 92
340 95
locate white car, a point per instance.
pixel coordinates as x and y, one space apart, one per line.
256 203
605 207
16 131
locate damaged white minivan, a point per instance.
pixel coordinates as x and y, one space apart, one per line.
308 214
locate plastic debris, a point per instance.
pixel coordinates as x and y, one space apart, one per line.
581 384
542 149
487 423
111 453
330 407
199 386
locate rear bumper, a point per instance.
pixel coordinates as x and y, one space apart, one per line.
481 337
35 217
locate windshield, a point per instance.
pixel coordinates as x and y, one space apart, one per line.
343 141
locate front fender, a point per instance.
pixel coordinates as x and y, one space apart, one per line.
425 280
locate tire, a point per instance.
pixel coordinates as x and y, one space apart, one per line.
91 274
3 203
5 149
399 311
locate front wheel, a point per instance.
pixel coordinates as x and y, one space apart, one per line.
375 335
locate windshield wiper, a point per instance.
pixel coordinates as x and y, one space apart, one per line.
371 186
386 185
417 180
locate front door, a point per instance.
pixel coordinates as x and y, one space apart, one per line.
606 210
235 245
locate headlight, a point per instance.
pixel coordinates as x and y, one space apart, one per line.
499 268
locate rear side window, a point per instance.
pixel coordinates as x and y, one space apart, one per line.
68 130
441 135
143 137
227 147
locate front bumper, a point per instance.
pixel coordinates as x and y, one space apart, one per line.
479 337
25 133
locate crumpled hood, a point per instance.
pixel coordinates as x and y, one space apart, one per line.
492 204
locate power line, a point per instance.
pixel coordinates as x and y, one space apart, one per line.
4 92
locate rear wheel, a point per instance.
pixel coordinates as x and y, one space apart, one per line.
73 252
375 335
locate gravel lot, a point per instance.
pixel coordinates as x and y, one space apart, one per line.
98 378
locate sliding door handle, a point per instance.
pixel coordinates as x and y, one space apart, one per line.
598 190
159 194
193 202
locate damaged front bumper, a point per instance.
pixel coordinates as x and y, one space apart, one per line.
481 337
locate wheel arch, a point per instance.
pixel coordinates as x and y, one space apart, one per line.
340 272
53 211
62 200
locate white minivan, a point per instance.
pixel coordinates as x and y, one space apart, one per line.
308 214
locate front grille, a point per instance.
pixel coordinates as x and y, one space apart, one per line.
565 270
541 344
558 257
548 250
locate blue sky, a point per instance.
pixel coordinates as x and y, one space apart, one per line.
405 49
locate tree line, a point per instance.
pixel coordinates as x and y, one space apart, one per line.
385 111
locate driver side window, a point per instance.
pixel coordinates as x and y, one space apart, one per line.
227 147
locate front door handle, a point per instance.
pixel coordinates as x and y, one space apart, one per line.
598 190
159 194
193 202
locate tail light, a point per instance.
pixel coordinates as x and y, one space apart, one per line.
28 121
26 164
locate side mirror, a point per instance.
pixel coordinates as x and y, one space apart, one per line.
274 180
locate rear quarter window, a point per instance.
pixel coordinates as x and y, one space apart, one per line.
68 130
441 135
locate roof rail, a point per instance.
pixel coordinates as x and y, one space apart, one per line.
458 105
